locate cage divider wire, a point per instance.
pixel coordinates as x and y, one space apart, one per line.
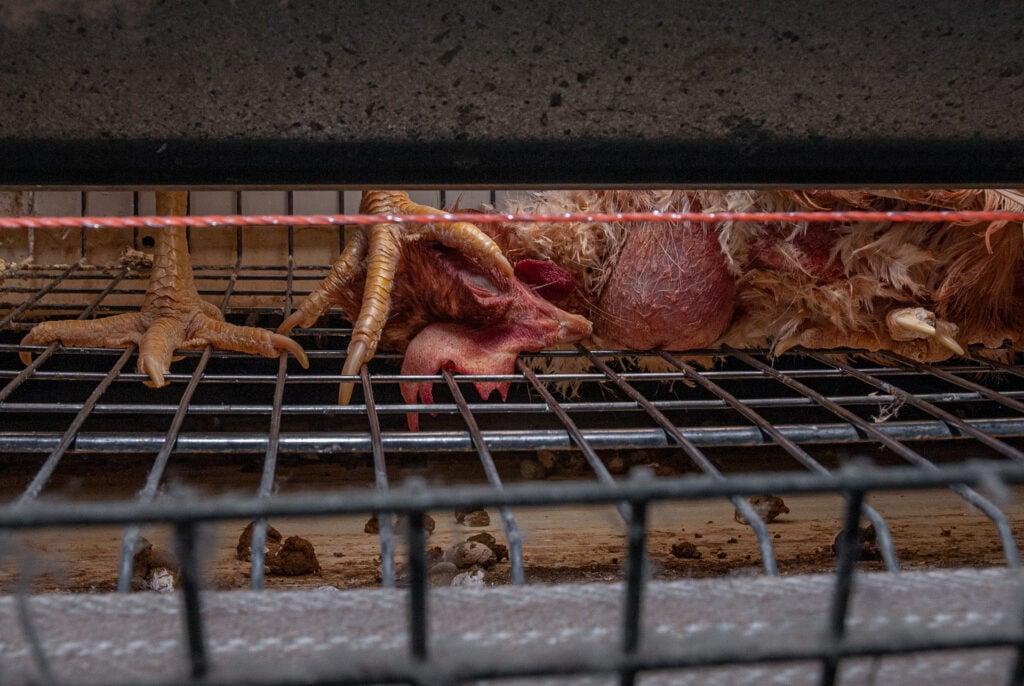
1018 664
52 347
415 500
636 576
955 380
385 527
419 640
948 418
846 566
515 540
995 364
44 473
627 664
132 534
884 536
188 560
998 517
258 539
693 452
573 429
38 295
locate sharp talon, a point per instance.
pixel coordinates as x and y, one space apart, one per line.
31 338
287 344
912 321
950 342
357 354
152 369
293 320
783 346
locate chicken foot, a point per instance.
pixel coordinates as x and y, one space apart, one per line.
913 331
910 323
173 316
377 249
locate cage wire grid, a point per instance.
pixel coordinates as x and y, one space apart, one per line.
76 400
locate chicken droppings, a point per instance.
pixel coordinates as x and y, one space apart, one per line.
767 507
473 517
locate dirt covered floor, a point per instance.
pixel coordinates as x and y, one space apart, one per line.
698 539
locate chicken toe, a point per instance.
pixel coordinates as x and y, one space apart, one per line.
375 254
910 323
173 316
907 335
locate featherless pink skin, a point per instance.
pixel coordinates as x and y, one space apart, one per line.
515 319
549 280
490 319
670 289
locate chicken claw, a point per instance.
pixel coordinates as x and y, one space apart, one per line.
378 247
173 316
912 331
909 323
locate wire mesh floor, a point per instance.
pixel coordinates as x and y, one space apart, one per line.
721 413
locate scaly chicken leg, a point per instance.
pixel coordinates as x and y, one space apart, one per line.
173 316
379 246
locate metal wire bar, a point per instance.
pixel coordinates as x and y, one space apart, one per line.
997 516
188 560
385 527
849 551
439 441
574 431
258 539
156 471
1017 677
931 409
1002 398
477 408
266 487
511 408
25 373
28 627
760 530
83 200
52 347
515 541
50 464
885 543
38 295
405 499
132 534
269 220
636 573
418 641
995 364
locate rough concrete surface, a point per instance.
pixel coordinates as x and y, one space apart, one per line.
506 91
